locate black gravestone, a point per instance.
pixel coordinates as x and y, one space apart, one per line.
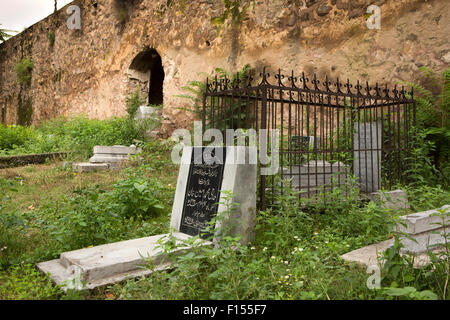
202 190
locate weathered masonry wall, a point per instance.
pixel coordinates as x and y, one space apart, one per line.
122 46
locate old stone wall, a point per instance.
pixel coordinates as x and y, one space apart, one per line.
92 70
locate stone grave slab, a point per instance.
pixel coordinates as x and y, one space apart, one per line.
420 226
109 263
90 167
114 155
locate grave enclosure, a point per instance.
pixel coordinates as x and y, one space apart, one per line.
330 131
203 191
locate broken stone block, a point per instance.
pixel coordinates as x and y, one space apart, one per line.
422 233
114 262
113 154
423 230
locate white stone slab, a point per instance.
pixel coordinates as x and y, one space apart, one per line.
112 262
113 154
422 221
90 167
316 173
368 255
422 236
425 241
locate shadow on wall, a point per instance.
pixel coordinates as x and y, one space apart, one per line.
147 73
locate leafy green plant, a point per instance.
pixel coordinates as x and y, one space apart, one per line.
133 102
235 112
137 196
24 282
234 9
432 114
23 70
13 136
410 293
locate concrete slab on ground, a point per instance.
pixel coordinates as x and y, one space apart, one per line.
419 235
395 199
368 255
105 264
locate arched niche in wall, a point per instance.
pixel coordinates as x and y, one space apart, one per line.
147 73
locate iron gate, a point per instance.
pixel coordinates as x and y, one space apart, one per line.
332 134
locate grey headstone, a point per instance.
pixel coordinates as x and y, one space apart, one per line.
367 142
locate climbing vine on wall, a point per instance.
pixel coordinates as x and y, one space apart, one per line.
236 9
23 70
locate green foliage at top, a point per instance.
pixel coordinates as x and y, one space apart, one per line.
196 90
234 9
5 34
433 99
23 70
433 124
13 135
77 135
133 102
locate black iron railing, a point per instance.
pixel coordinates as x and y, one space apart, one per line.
330 133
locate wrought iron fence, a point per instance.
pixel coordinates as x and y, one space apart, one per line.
330 132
